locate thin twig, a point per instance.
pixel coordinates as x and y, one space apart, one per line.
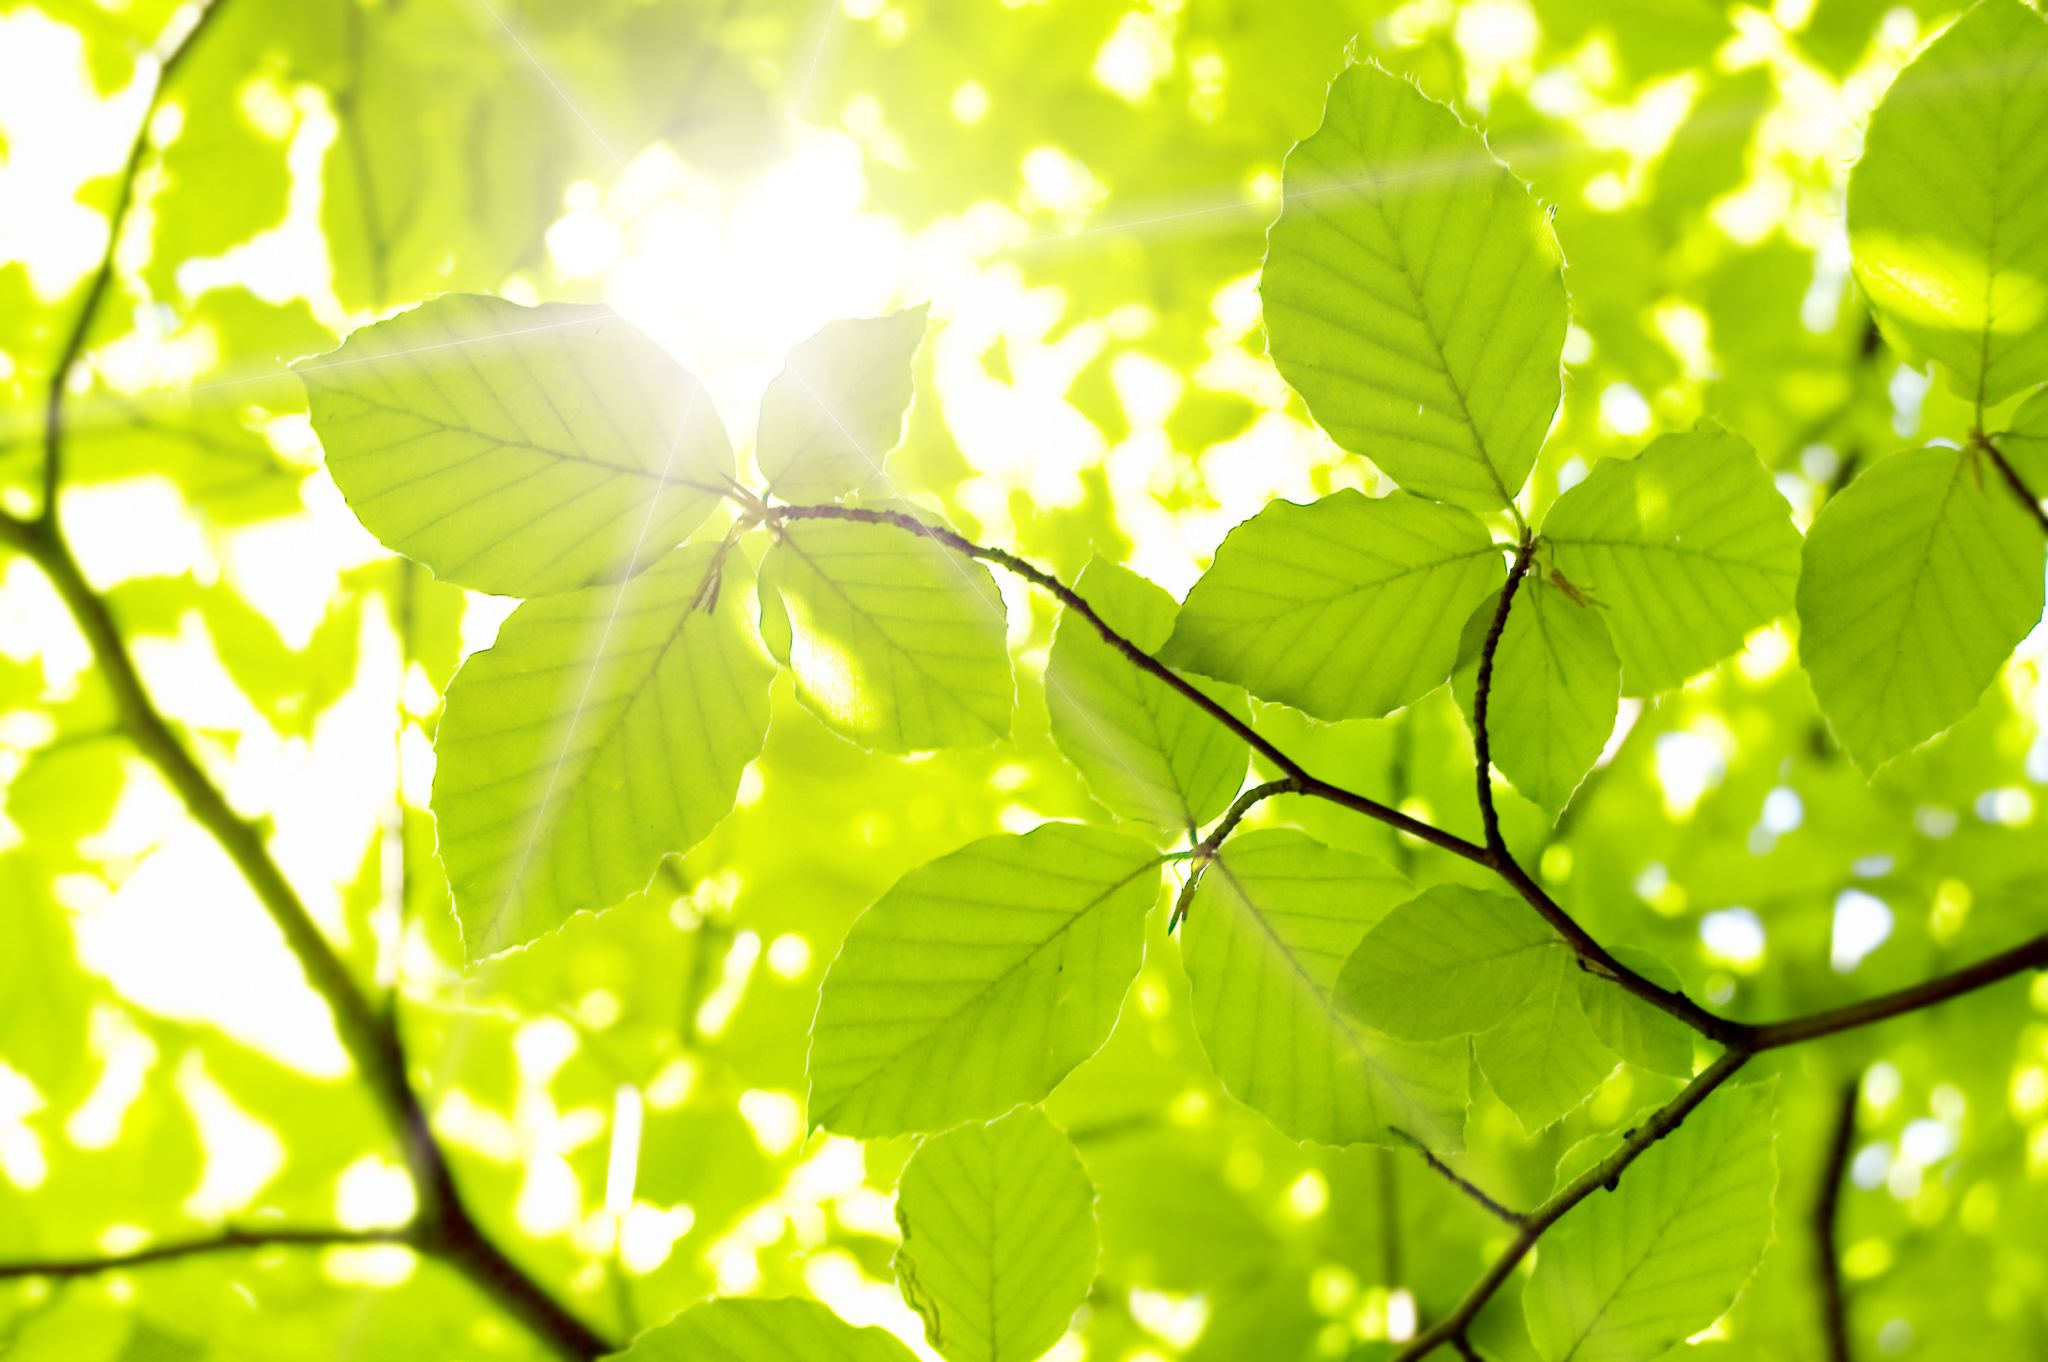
2012 478
2028 955
103 276
231 1240
1606 1173
1482 696
1676 1004
1462 1183
1738 1037
1827 1210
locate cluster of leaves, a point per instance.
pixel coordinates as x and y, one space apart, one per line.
1414 298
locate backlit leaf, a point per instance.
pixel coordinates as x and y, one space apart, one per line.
1645 1036
1270 926
1347 608
1449 962
1948 224
1630 1273
980 980
1544 1058
1921 576
1413 294
1556 689
836 410
1687 547
517 450
999 1239
605 729
1146 751
895 642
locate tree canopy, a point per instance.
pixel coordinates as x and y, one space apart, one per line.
898 679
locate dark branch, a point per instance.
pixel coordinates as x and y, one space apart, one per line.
227 1241
2028 955
1463 1184
1827 1208
1482 697
1592 952
103 276
2012 477
373 1041
1603 1174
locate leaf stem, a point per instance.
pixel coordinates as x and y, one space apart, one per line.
1205 850
1607 1173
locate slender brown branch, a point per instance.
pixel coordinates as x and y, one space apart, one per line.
233 1240
371 1039
1592 952
1461 1182
2012 478
1606 1173
1827 1210
2028 955
1482 696
103 275
1139 658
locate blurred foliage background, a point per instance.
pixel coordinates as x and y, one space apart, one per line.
1081 189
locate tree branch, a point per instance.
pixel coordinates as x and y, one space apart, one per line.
2012 478
1606 1173
1482 696
446 1227
2028 955
1463 1184
103 276
1501 863
227 1241
1827 1208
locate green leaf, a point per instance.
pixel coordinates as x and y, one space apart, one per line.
836 409
1414 294
1346 608
1688 546
1948 224
1920 578
517 450
1628 1274
895 641
980 980
1643 1035
1449 962
1272 921
763 1331
1556 689
999 1239
606 728
1145 750
1545 1058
